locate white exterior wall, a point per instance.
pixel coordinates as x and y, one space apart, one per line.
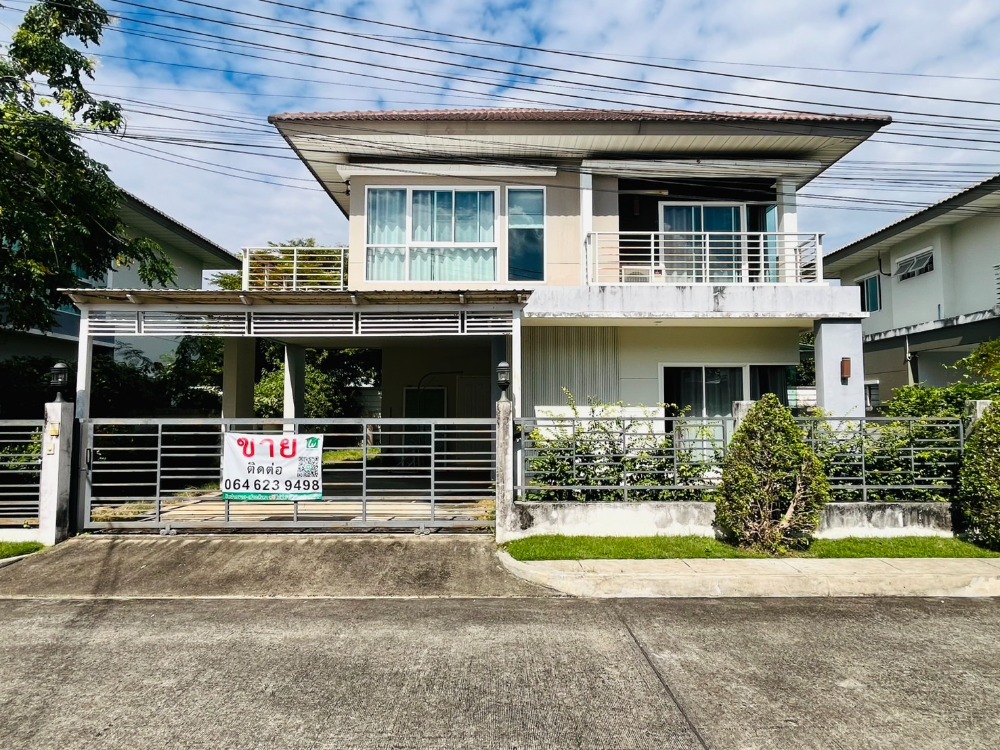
645 350
963 280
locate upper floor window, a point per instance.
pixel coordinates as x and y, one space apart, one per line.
915 265
431 235
871 293
526 234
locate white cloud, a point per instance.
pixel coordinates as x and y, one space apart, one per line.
903 36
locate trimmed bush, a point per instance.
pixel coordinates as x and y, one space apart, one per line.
773 486
977 508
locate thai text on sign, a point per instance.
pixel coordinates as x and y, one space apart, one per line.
262 468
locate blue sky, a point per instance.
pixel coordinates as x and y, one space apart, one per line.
198 82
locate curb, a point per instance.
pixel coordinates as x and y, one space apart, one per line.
951 577
11 560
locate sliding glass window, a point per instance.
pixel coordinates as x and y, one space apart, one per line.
702 391
452 235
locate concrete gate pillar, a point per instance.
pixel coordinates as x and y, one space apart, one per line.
840 367
238 372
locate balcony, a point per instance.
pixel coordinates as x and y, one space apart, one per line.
684 258
294 268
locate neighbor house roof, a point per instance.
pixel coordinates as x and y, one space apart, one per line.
975 200
144 218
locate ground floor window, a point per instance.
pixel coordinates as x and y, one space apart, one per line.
709 390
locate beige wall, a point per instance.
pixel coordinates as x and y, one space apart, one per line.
405 363
563 243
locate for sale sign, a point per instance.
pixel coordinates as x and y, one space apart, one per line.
262 468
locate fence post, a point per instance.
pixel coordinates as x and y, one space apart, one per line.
740 410
974 411
57 459
505 514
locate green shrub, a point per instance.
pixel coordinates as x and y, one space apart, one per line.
773 486
617 458
977 508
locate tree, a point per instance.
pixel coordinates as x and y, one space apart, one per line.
59 217
773 487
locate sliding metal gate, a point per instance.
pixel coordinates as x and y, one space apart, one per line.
376 473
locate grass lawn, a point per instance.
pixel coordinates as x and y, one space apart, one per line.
349 454
661 547
13 549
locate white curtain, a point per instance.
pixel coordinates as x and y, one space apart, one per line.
386 264
386 216
453 264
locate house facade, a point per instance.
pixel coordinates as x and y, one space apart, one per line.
642 257
931 286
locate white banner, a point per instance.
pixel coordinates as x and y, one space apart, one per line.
263 468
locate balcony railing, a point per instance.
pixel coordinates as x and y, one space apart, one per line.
704 258
294 268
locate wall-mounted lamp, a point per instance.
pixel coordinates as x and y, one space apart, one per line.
845 368
503 379
59 379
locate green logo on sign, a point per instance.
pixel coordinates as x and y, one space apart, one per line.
312 442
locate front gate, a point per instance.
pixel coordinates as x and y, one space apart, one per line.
376 473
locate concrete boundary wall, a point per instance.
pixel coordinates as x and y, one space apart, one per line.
840 520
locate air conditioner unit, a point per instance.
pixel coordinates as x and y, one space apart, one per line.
636 275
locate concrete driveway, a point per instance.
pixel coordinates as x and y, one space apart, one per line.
502 669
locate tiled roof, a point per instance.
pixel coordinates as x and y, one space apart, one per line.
571 115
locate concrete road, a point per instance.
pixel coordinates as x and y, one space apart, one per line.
520 673
103 659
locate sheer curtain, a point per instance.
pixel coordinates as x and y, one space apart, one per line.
386 226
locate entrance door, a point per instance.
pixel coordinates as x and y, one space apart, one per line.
429 403
702 242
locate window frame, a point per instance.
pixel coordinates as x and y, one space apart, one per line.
545 232
861 281
409 244
911 259
744 367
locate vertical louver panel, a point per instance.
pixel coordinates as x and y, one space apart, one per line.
584 360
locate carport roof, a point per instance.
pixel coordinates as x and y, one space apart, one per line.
345 298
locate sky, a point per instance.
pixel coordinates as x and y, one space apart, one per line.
198 78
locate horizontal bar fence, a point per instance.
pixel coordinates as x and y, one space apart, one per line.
633 459
20 471
157 473
619 458
294 268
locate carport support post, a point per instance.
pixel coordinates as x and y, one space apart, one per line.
295 382
238 356
505 515
53 490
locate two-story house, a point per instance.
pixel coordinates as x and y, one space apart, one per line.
930 284
635 256
191 256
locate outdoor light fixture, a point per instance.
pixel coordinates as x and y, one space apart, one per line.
59 378
845 368
503 379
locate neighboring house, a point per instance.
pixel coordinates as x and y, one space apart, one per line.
644 257
189 252
931 285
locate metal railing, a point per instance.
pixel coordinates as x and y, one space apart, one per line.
20 471
294 268
704 258
602 459
888 458
619 458
156 473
